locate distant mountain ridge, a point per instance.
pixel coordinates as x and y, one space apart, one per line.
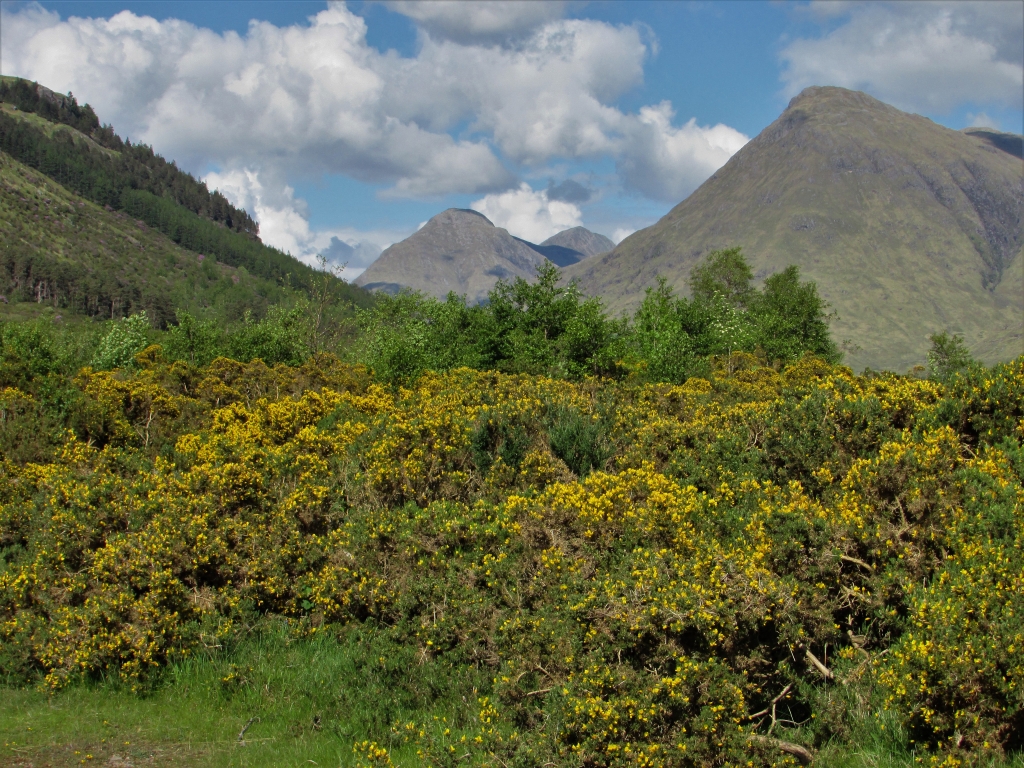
460 250
1011 143
581 240
907 227
571 246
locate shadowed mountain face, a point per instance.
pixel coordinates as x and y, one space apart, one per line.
462 251
457 250
907 227
571 246
1010 143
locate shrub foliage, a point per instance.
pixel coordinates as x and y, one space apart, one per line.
725 571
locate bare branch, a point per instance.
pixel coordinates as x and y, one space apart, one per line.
770 709
804 755
241 734
822 670
857 561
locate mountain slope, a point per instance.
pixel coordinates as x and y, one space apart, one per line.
571 246
53 134
120 164
59 249
908 228
457 250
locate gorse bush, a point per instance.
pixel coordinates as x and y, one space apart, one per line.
722 572
578 439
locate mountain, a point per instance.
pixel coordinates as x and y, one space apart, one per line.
571 246
462 251
908 228
558 255
581 240
1010 143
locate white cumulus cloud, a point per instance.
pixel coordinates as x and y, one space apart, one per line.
621 234
981 120
284 223
919 56
281 103
668 163
529 214
495 21
307 98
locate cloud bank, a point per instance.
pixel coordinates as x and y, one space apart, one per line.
494 86
919 56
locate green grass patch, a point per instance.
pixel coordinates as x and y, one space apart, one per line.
306 701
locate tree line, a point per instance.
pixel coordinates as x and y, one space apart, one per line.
133 179
549 328
100 176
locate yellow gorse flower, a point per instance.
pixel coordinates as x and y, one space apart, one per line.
742 542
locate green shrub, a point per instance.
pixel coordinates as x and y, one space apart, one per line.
578 439
194 340
123 342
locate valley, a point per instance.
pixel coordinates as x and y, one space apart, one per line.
745 489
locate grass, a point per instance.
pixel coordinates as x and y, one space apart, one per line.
278 700
305 701
28 311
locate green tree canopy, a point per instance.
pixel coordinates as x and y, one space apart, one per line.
725 273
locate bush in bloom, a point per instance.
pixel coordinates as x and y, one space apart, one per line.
652 574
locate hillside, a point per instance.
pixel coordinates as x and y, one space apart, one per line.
571 246
99 176
457 250
61 250
907 227
54 136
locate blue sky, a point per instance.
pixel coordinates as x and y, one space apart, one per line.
356 122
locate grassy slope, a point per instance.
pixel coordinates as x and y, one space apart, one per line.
43 222
257 292
51 129
871 203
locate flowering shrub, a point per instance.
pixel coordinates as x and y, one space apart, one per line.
652 574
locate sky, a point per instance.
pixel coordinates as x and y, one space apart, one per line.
343 127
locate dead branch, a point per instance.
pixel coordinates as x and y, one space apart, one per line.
241 734
858 641
804 755
822 670
770 709
857 561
